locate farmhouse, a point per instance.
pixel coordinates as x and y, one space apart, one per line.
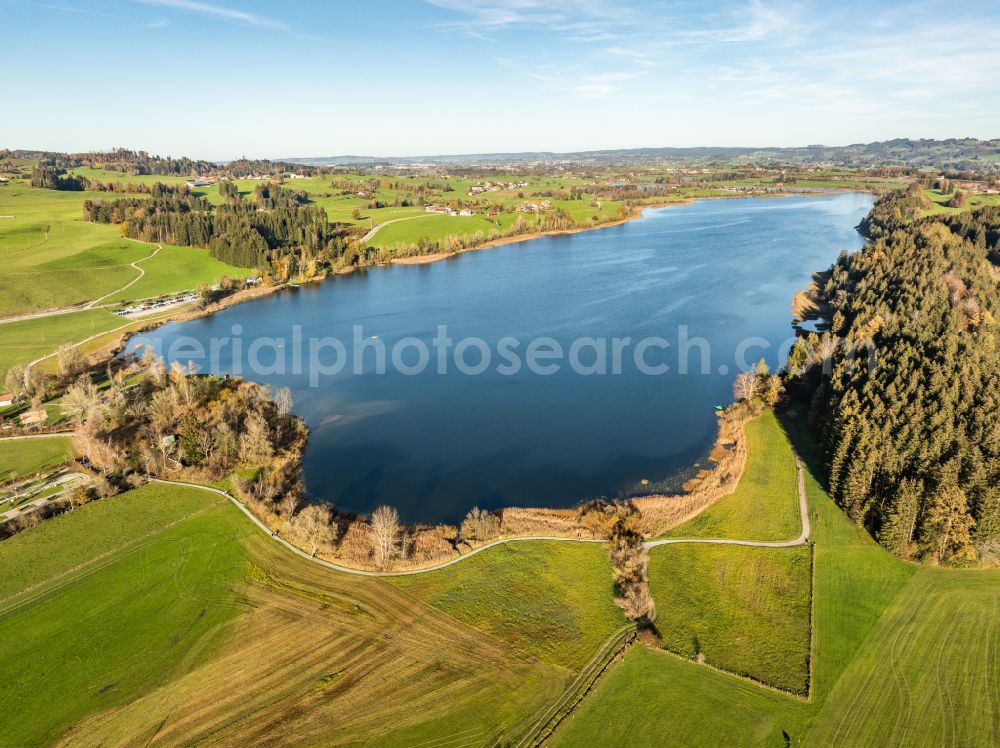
6 399
534 206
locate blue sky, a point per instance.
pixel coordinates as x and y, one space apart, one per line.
223 78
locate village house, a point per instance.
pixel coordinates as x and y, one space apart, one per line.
201 181
534 206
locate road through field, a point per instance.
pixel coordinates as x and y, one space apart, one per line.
802 539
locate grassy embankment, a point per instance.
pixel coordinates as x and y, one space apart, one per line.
748 612
163 612
902 656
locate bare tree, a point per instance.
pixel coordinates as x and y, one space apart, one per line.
283 401
255 443
36 385
315 525
14 381
82 399
156 370
745 386
179 379
161 410
115 406
385 535
70 361
480 525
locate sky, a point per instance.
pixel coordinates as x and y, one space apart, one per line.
219 79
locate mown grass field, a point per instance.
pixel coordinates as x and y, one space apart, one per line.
552 599
745 609
24 456
45 246
765 504
903 655
50 258
163 613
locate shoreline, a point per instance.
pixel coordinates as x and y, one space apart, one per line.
636 215
653 501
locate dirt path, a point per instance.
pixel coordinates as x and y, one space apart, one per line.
135 280
375 229
800 540
89 304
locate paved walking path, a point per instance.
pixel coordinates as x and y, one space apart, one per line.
800 540
30 506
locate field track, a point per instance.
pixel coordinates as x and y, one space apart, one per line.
375 229
802 539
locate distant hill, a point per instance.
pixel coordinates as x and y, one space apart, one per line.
953 153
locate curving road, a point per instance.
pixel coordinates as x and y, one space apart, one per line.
802 539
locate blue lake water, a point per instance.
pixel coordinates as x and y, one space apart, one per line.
434 445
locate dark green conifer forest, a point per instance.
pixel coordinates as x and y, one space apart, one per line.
905 385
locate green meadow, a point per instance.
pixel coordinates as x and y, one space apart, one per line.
939 202
743 609
765 504
162 611
27 340
94 634
23 456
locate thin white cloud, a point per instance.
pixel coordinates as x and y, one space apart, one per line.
219 11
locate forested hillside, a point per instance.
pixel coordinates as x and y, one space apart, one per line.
905 386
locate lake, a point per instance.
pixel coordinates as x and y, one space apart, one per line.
704 287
